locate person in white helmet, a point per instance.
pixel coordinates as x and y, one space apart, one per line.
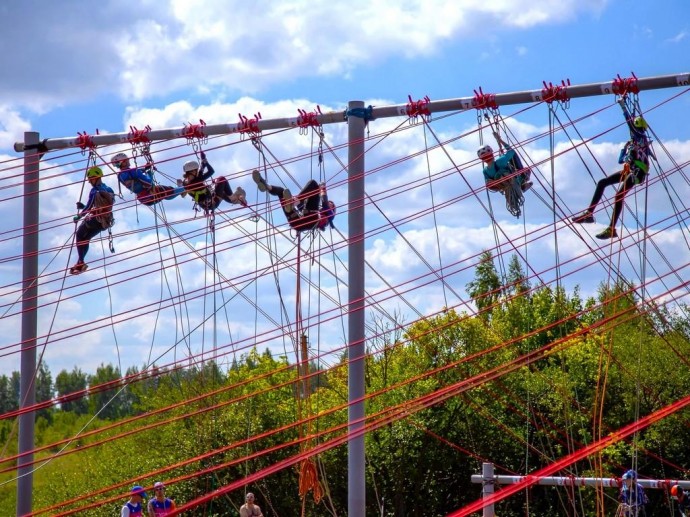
139 181
499 170
207 198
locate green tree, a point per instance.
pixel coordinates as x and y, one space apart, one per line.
107 403
72 382
485 289
15 391
44 388
5 394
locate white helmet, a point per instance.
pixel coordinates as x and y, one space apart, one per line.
119 158
191 165
485 151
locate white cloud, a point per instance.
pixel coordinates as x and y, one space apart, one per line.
678 37
157 48
12 127
401 190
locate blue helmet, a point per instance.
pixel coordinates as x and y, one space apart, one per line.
630 474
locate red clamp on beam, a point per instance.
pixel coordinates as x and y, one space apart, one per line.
249 125
138 136
85 141
623 86
418 108
192 131
484 100
552 92
309 119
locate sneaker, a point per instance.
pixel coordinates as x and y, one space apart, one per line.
609 233
239 197
79 267
584 217
180 184
260 182
288 205
526 186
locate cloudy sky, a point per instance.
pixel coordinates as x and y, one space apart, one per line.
71 67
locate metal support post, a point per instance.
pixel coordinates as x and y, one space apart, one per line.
356 502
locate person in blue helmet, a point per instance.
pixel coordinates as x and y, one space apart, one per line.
632 496
134 507
635 160
309 210
139 181
96 214
497 169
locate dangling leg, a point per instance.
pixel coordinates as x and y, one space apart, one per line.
260 181
158 193
223 190
524 176
587 216
309 196
87 230
610 232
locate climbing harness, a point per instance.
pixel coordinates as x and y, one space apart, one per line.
511 187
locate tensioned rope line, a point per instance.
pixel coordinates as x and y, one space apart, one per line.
44 406
626 310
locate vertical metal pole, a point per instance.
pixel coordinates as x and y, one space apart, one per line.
356 502
488 487
27 386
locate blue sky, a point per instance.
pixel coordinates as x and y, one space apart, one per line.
165 63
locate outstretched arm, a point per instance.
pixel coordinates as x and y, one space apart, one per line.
501 143
628 116
205 166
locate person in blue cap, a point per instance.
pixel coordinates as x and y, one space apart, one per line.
134 507
632 496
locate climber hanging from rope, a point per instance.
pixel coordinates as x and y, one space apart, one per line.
97 214
309 210
635 160
140 182
208 197
505 173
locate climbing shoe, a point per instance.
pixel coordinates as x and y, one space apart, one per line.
584 217
79 267
260 182
288 205
239 197
608 233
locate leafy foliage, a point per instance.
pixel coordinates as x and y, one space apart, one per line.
536 375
